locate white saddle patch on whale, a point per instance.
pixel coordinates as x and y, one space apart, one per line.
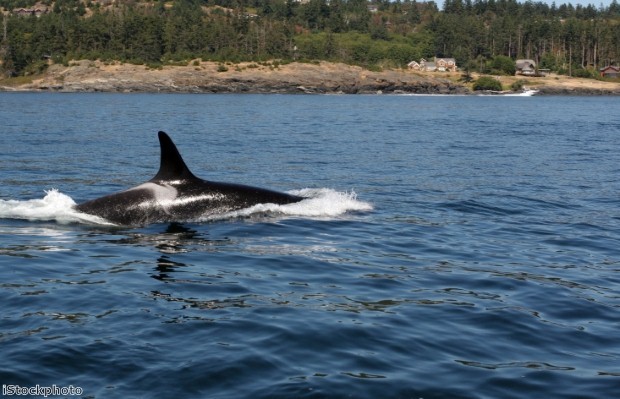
163 195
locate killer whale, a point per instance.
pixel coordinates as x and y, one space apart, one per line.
175 194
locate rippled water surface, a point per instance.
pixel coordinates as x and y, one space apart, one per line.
465 247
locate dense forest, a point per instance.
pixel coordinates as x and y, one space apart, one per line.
481 35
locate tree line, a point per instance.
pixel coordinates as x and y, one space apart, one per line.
479 34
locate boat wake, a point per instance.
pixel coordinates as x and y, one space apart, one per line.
59 207
524 93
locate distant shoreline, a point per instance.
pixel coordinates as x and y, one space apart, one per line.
271 77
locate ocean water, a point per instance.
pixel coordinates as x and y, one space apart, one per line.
450 247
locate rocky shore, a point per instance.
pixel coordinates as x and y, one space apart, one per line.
210 77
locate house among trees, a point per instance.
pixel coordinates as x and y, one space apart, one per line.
440 64
526 67
445 64
610 72
416 66
37 10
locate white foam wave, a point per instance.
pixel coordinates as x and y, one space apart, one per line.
55 206
318 203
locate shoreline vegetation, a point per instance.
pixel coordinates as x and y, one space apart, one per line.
323 77
309 46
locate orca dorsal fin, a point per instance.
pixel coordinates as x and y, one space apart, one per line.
172 166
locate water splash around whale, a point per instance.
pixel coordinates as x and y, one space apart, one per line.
60 208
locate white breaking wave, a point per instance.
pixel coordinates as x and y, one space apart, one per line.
55 206
317 203
59 207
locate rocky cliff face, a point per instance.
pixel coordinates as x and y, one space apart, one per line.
208 77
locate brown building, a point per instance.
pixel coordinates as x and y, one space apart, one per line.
610 72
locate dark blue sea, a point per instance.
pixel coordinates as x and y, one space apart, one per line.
450 247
